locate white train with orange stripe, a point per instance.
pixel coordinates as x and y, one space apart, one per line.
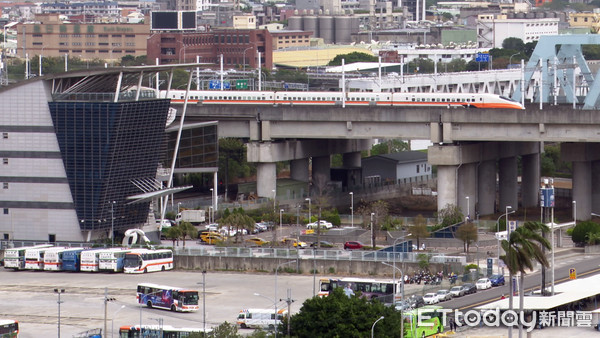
351 99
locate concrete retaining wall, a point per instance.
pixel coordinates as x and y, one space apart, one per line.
305 266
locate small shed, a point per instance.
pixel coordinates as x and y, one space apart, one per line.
401 167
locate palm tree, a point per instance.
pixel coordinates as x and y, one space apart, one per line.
240 221
187 229
523 248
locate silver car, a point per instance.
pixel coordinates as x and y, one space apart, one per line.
444 295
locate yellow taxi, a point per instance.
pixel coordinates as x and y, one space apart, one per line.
255 241
210 237
294 242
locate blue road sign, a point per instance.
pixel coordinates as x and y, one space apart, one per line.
216 84
482 57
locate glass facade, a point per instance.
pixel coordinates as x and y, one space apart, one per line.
198 148
106 147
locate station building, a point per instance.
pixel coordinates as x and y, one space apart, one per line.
81 154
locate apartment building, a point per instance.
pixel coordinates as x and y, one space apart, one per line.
48 36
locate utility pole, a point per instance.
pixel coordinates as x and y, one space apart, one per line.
289 302
106 300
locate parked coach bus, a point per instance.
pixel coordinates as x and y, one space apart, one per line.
383 290
168 331
145 260
9 328
167 297
260 318
34 258
71 260
53 259
15 258
90 259
112 260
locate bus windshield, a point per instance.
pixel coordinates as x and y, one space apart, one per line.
190 297
132 261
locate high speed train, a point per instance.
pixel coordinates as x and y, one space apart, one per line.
352 99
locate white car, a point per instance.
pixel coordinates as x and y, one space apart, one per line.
322 223
431 298
483 284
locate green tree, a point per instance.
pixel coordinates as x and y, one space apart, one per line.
450 215
187 229
377 211
456 65
389 146
287 75
419 230
512 43
352 57
467 233
522 249
232 160
173 233
340 316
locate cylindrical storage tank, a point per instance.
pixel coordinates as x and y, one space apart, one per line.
343 26
355 25
326 29
310 23
295 23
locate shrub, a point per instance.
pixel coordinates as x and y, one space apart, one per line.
582 229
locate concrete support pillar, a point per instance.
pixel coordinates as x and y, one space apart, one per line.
582 189
321 168
467 187
486 187
299 169
507 183
352 160
596 187
266 179
530 180
446 186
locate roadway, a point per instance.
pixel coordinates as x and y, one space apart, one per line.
584 265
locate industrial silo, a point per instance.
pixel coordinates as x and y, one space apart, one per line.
310 23
326 29
295 23
343 28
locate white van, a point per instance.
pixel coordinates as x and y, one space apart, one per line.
260 318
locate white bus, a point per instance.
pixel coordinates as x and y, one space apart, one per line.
167 297
34 258
90 259
53 259
112 260
260 318
146 260
15 258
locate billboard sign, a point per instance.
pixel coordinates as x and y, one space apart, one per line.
173 20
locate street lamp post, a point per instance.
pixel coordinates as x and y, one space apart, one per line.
510 59
309 216
498 230
468 209
373 327
112 223
574 213
274 198
280 221
112 322
352 208
245 56
372 214
203 302
212 203
59 292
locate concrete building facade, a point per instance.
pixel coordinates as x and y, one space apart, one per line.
51 37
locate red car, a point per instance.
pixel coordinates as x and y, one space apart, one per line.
352 245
